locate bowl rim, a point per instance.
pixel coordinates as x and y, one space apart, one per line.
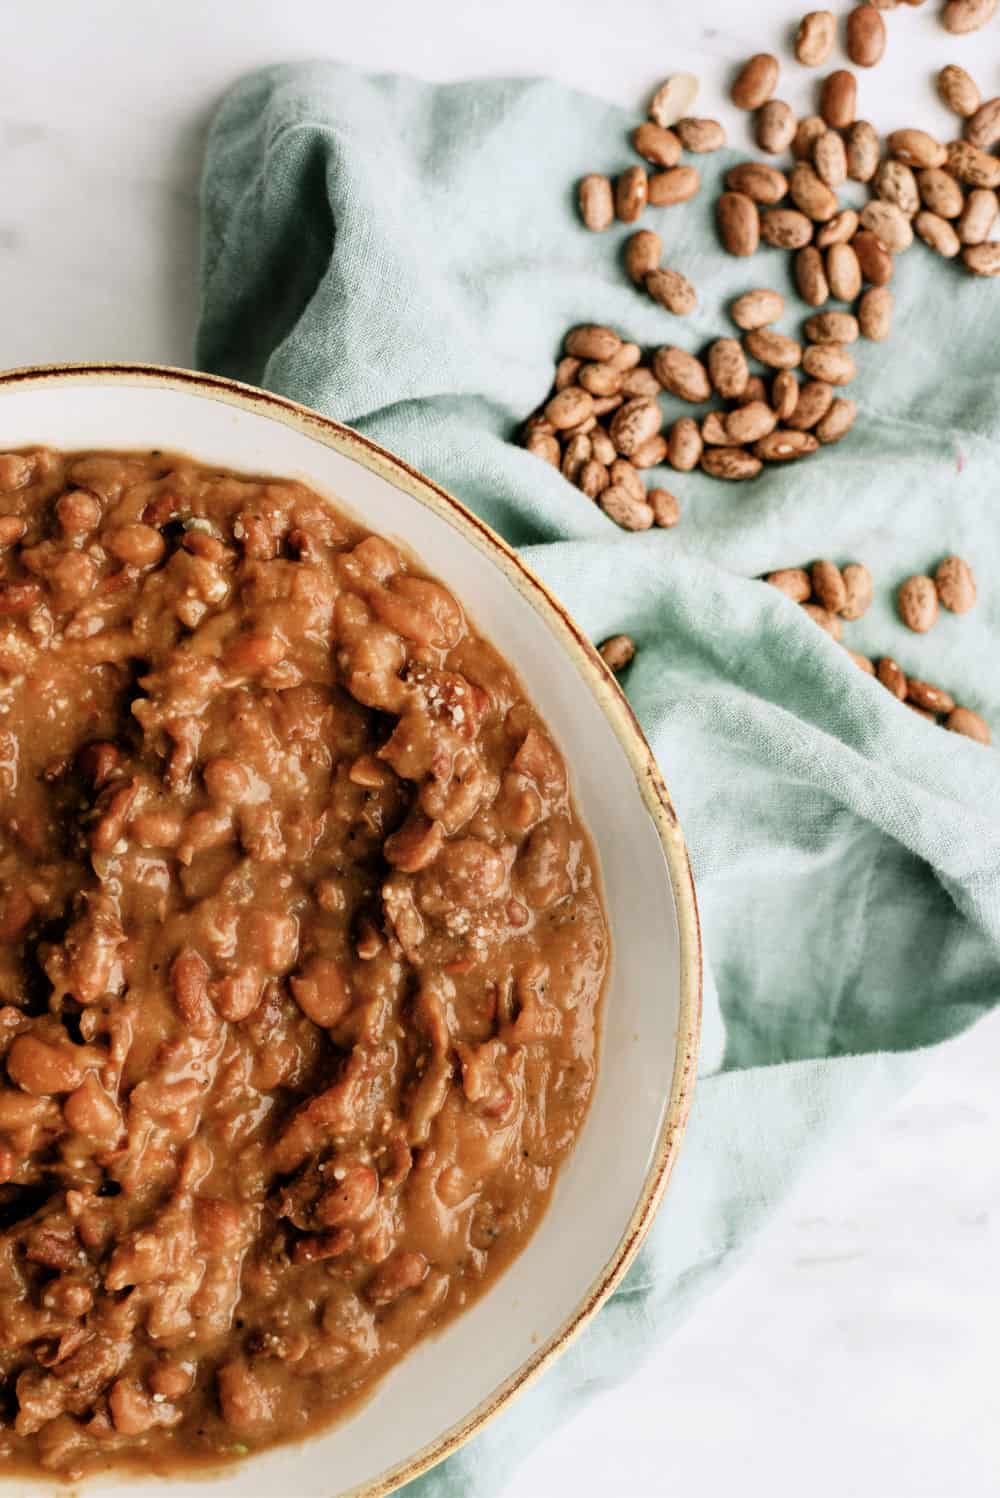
652 789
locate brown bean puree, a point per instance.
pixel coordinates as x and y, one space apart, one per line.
301 956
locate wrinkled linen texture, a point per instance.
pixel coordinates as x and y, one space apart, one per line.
406 258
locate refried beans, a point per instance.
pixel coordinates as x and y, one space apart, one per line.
301 958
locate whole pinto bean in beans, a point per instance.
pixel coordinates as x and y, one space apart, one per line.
865 36
739 223
597 202
815 38
838 99
755 82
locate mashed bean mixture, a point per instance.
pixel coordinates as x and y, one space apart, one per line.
301 956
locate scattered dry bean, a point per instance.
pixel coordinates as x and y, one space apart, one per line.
917 601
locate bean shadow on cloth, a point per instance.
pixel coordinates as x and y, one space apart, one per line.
406 258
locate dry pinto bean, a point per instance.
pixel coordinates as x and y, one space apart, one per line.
830 362
888 224
633 423
840 229
755 309
577 451
755 82
603 404
601 379
730 463
972 166
781 446
932 699
917 601
750 422
774 349
627 475
875 313
666 508
815 38
815 400
862 662
895 183
639 382
544 445
961 16
627 356
713 430
862 150
964 721
596 202
601 443
859 590
785 228
631 192
837 422
674 99
916 148
677 185
566 372
570 407
832 327
893 677
830 159
757 180
651 453
682 374
958 91
810 195
739 223
938 233
624 509
807 132
828 586
978 215
865 36
659 146
838 99
793 582
684 444
727 368
775 126
642 254
671 290
843 271
940 192
823 618
784 394
956 585
700 135
874 259
593 478
983 259
618 652
593 342
810 277
756 389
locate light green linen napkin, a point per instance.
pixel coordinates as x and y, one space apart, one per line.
407 258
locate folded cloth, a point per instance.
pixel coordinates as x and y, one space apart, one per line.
407 258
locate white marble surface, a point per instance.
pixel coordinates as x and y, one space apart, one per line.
854 1354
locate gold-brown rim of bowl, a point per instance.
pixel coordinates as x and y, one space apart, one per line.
652 789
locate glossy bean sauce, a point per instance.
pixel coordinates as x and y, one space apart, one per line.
301 959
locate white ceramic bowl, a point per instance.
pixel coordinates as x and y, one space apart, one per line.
610 1187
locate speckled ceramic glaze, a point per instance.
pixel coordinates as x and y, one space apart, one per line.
611 1185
